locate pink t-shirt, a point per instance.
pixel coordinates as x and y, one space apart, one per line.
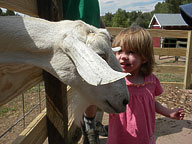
137 124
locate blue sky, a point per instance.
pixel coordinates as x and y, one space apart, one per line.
128 5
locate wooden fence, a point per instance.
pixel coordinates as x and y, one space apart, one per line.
38 131
186 69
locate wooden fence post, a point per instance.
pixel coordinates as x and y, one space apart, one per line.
56 92
188 63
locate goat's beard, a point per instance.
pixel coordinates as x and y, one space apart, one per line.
77 104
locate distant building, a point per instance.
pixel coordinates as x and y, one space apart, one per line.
168 22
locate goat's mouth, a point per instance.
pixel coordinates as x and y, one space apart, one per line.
112 107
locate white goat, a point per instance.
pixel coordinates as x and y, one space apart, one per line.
69 50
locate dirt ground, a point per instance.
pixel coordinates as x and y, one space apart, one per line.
12 112
168 131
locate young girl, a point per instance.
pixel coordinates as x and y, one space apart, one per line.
137 124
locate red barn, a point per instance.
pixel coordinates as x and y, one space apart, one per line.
168 22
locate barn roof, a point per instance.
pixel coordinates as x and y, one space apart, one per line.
168 20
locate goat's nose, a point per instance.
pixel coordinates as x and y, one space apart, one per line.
125 102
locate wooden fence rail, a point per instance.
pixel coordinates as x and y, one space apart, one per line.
40 124
186 69
28 7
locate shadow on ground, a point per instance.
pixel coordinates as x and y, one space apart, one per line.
172 128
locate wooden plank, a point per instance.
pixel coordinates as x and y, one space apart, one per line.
175 69
155 32
74 133
170 51
16 79
175 84
28 7
51 10
57 116
168 33
56 92
35 132
114 30
188 63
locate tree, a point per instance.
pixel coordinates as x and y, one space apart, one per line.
120 19
125 19
134 15
186 1
1 12
143 20
173 5
135 18
9 13
169 6
107 19
161 8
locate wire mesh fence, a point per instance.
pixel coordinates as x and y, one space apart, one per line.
20 112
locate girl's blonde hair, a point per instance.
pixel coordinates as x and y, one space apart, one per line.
140 41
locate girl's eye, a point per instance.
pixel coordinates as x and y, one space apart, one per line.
131 52
120 51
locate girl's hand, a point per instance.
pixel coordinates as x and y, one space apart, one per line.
177 113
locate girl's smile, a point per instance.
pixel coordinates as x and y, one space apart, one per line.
125 65
129 61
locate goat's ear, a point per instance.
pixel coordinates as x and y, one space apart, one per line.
91 67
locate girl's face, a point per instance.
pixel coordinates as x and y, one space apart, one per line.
130 61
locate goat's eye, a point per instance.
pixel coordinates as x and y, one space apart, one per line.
103 56
119 52
130 52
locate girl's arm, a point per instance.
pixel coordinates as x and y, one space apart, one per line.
177 113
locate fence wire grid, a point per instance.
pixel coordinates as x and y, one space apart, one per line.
39 87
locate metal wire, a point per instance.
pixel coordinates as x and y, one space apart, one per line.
23 110
24 114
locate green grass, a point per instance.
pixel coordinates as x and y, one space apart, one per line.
4 110
16 103
169 77
35 89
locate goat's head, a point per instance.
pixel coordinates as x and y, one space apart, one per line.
98 76
70 51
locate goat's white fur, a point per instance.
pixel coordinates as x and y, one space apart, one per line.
69 51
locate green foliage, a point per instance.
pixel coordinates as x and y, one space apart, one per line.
162 8
7 13
170 6
1 12
119 19
107 19
186 1
169 77
125 19
4 110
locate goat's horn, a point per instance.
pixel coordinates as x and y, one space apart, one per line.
92 68
116 49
